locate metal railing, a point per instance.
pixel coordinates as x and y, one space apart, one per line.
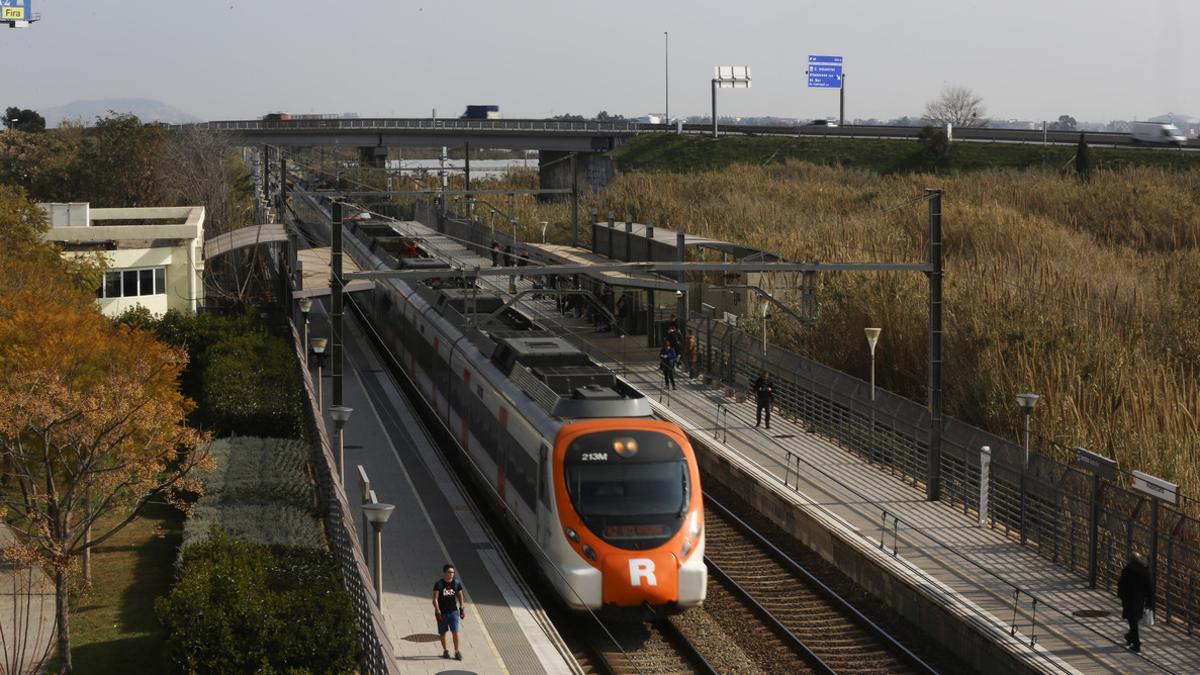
347 550
1046 506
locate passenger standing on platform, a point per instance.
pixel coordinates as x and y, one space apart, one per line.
450 607
508 255
1137 596
495 253
764 392
691 355
622 314
666 363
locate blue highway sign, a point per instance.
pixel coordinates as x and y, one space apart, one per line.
824 72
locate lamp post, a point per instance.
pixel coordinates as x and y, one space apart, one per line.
765 308
666 78
378 514
318 347
872 338
341 415
1027 403
305 307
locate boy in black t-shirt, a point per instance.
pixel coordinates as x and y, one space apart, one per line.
450 607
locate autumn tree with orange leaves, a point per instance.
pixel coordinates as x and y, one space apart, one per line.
93 424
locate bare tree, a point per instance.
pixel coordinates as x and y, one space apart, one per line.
958 106
198 167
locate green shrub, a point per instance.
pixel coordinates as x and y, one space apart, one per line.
250 386
241 607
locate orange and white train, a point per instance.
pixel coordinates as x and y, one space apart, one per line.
605 496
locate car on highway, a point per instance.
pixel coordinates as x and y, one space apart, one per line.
822 123
1156 133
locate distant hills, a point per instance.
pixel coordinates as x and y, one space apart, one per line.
147 110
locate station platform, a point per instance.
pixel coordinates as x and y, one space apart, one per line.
972 568
434 523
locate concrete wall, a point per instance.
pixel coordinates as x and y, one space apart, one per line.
595 171
950 623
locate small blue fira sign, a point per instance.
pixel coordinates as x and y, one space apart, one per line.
15 10
824 72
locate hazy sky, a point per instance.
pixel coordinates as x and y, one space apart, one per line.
231 59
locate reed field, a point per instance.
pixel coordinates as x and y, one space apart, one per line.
1084 292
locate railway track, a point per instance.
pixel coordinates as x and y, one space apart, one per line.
643 648
823 630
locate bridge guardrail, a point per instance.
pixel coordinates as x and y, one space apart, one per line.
585 127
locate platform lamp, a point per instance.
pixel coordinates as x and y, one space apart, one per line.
1027 403
305 307
377 515
872 339
318 346
341 415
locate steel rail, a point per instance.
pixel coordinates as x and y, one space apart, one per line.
825 591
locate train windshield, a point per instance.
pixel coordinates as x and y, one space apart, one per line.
629 487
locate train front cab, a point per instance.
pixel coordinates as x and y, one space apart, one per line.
627 493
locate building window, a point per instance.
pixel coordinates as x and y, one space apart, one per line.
133 282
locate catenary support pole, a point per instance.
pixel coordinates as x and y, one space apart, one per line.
335 288
933 484
574 200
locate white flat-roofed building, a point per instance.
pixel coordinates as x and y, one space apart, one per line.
155 255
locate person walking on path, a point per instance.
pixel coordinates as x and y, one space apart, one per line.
666 363
495 253
1137 596
764 392
450 608
691 355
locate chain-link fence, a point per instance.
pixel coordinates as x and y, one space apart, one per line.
1087 526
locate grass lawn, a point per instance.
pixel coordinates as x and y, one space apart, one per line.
114 629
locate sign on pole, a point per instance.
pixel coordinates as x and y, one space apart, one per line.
16 13
731 77
824 72
1155 487
1098 464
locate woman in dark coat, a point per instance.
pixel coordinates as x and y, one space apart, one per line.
1137 595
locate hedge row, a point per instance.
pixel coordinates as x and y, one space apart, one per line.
242 375
241 607
258 490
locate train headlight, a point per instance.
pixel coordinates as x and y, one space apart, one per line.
694 530
625 446
687 548
572 535
589 552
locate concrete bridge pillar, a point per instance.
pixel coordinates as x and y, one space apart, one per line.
374 156
593 171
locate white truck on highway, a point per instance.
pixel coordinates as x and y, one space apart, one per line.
1157 133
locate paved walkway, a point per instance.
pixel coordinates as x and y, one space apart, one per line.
26 612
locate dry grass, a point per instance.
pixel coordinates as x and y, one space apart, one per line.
1082 292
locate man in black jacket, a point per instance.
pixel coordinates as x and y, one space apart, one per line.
1137 595
764 392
